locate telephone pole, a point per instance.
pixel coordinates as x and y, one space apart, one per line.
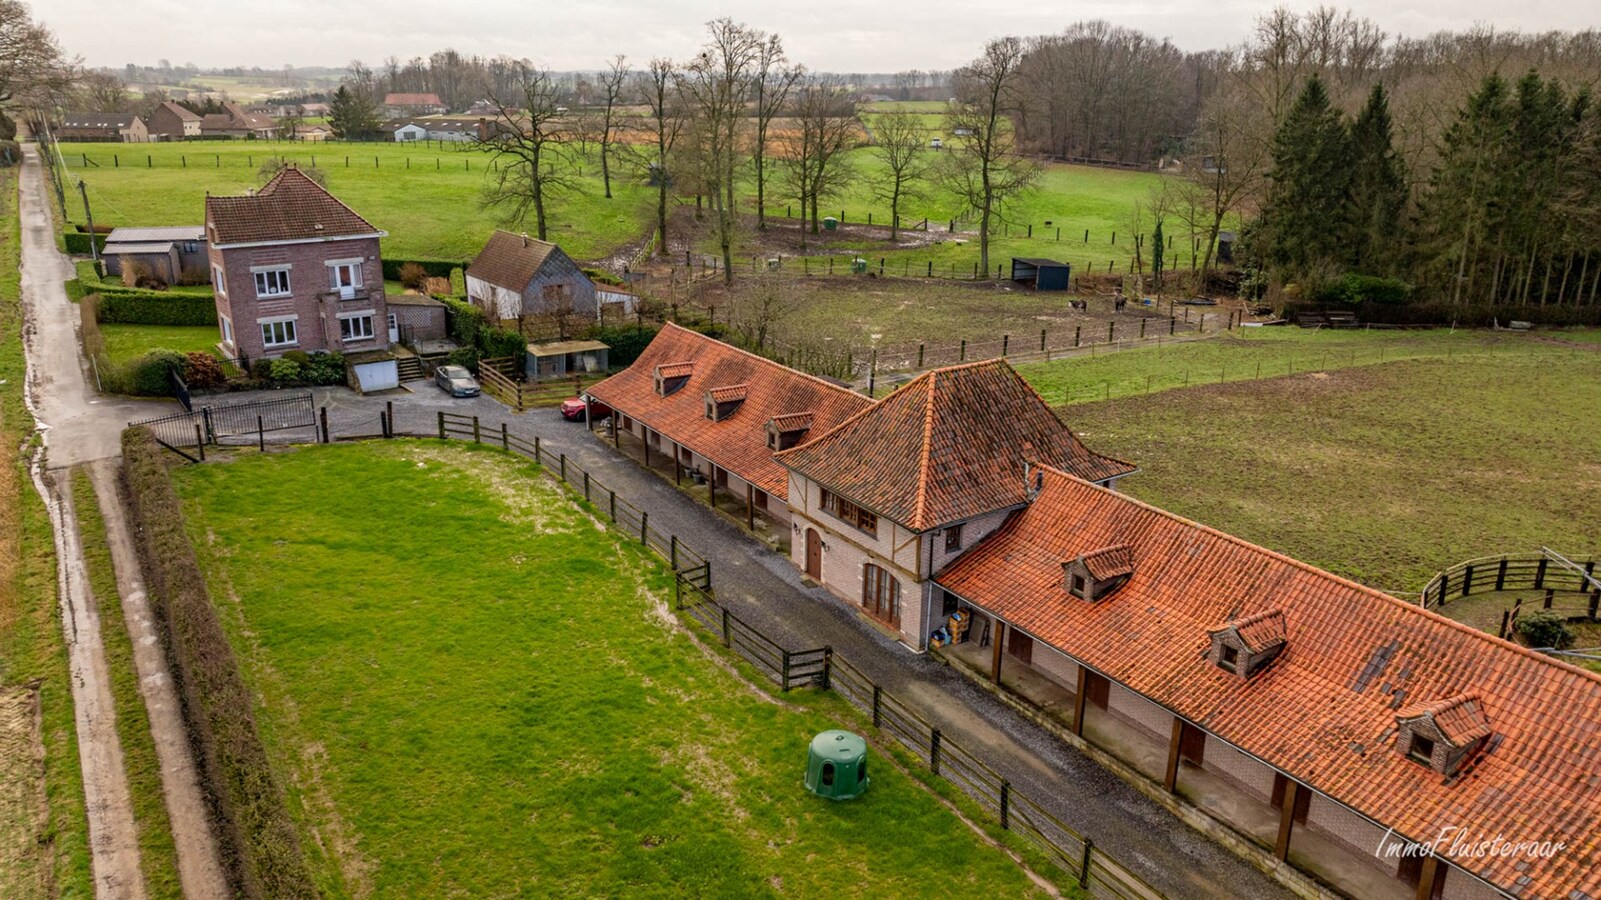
94 248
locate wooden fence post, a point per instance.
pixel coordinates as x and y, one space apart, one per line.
725 627
505 437
200 444
933 751
644 527
564 468
828 668
1084 865
1006 804
586 486
613 506
672 542
261 435
441 425
878 695
784 681
477 435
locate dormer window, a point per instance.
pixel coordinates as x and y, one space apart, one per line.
671 377
723 402
1244 646
1095 576
788 430
1444 734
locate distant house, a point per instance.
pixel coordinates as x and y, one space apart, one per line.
457 128
168 253
171 122
313 132
101 126
399 105
235 122
296 269
516 275
403 130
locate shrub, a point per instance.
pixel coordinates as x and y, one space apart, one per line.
283 370
1543 628
149 375
156 309
440 268
203 370
464 356
78 242
324 368
1354 288
413 276
10 151
494 343
627 342
138 274
260 849
193 277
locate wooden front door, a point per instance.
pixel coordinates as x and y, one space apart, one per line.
1192 744
814 555
1097 689
881 594
1021 646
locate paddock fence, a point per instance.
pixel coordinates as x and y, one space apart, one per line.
1533 571
1069 850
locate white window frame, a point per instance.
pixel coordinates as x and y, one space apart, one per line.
227 329
219 279
357 278
366 314
264 275
292 332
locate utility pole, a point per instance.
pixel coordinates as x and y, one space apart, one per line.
94 249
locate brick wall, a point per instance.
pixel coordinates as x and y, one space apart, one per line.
310 304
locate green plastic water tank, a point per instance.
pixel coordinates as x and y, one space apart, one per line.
830 223
836 765
858 265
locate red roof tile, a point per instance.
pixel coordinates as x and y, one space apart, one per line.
800 421
729 393
738 443
1259 630
948 445
1325 712
290 207
412 100
1109 562
1460 719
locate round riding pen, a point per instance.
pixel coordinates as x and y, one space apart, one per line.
1547 601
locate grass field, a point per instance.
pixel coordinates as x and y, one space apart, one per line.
1383 473
43 852
474 689
429 212
124 342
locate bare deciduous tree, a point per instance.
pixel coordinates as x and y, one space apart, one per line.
899 141
659 89
984 169
759 305
33 69
613 82
527 142
824 123
773 79
716 83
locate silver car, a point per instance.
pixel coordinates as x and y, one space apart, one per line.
456 381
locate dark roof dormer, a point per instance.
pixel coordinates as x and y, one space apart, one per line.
672 376
1244 646
1443 734
723 402
1096 575
785 431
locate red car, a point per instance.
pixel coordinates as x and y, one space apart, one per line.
572 409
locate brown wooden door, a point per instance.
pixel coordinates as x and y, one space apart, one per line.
1021 646
1192 744
1303 797
1097 689
814 555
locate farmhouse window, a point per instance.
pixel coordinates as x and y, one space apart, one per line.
881 593
272 283
218 281
1422 750
1078 585
345 277
227 330
1229 658
850 513
355 328
278 333
953 538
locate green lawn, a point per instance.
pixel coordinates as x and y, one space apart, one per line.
430 209
125 342
1382 473
474 689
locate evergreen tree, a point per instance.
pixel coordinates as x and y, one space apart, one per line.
352 115
1377 193
1157 251
1308 189
1464 210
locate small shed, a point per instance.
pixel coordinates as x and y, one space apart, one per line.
1225 246
836 765
563 358
1042 274
417 321
168 253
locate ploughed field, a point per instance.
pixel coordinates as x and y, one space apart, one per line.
472 688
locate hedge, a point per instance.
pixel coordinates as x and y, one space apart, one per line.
156 308
627 342
260 849
436 268
467 325
78 242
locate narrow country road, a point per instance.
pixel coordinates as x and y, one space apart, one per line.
80 427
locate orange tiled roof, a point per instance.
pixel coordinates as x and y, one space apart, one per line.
290 207
1461 719
948 445
739 442
1259 630
1325 712
800 421
1109 562
729 393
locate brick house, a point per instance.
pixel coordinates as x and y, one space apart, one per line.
415 104
171 122
1321 724
516 275
722 413
101 126
888 498
296 269
235 122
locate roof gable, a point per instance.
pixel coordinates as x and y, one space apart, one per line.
291 207
949 445
510 261
1325 713
737 443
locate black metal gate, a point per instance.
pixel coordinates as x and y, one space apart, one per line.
234 422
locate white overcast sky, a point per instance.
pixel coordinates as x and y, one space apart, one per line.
873 36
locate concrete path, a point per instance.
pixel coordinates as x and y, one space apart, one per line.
80 426
767 591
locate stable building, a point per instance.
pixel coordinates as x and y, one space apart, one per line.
1042 274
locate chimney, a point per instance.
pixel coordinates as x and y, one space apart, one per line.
525 239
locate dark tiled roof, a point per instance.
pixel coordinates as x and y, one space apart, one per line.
949 445
290 207
510 260
1325 712
738 443
183 113
98 120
